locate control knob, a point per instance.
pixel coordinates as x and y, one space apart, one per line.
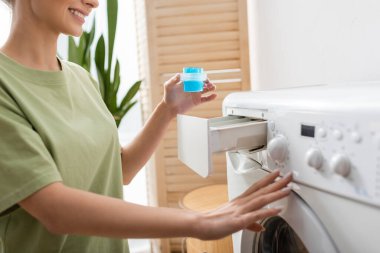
314 158
340 164
277 149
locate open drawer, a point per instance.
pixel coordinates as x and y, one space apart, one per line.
199 138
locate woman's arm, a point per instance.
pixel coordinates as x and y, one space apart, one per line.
138 152
64 210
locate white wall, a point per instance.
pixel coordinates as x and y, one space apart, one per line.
297 42
5 22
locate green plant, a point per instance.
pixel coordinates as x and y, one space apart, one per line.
81 54
108 73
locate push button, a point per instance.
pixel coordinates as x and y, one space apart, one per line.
338 135
341 165
322 133
356 137
314 158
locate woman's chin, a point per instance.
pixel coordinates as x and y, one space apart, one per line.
76 32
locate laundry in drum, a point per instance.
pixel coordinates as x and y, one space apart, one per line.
193 79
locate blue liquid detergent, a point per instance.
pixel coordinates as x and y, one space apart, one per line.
193 79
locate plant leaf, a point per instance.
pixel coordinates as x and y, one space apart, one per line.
86 35
87 61
99 62
92 33
107 72
100 55
130 94
115 86
73 51
107 86
116 77
101 82
121 112
112 9
81 48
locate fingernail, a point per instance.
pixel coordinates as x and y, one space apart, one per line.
280 208
287 175
294 186
286 189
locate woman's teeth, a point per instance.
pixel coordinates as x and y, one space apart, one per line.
75 12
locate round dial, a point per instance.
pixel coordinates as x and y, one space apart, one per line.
341 165
278 149
314 158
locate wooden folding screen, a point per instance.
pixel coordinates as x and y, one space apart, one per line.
172 34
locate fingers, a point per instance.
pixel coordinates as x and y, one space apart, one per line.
261 183
208 86
252 218
264 192
275 186
173 80
263 200
208 89
208 98
256 227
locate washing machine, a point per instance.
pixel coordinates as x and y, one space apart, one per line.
327 135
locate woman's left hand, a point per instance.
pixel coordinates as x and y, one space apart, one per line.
180 101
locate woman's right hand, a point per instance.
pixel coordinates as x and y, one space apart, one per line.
245 211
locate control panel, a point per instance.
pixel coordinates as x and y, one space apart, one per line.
335 152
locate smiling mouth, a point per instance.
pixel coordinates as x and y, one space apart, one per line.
77 13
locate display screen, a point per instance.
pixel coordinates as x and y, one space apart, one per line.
308 131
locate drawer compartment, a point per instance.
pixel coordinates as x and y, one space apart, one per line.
199 138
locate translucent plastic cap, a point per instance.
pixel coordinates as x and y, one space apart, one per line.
193 79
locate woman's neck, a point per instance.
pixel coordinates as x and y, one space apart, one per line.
32 46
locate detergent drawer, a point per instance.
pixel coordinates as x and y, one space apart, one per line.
199 138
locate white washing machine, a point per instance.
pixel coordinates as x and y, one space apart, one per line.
328 135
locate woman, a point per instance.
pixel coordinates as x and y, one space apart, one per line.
61 168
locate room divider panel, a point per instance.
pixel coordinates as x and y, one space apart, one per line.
211 34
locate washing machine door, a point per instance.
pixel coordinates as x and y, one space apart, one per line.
296 230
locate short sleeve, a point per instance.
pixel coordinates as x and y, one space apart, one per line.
25 163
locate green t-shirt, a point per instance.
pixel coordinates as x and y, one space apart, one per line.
54 126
